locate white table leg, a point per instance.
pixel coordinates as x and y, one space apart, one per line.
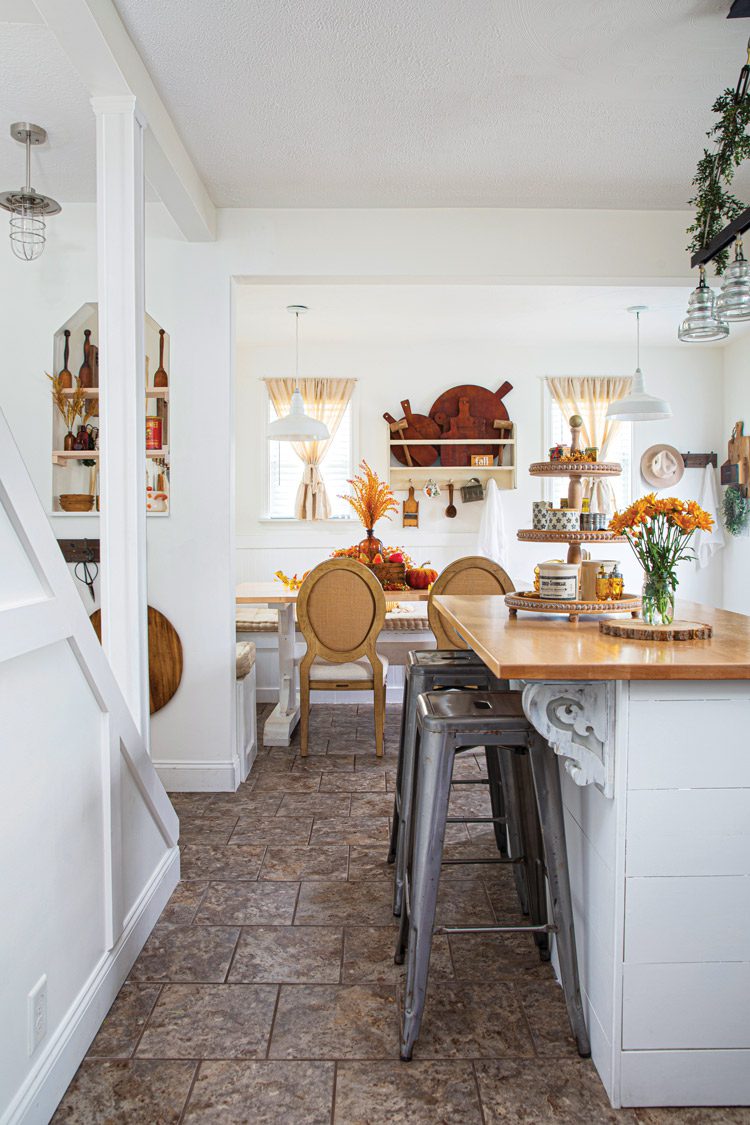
283 719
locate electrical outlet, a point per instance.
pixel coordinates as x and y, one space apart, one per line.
37 1013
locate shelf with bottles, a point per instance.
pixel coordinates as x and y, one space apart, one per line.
75 449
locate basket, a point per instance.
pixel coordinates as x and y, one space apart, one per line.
389 574
472 491
76 501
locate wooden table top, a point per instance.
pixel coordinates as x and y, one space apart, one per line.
536 647
273 593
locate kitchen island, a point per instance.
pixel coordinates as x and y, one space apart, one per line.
655 767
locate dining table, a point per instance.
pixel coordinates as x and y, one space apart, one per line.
280 724
652 743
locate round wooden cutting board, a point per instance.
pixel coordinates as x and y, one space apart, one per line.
642 631
164 657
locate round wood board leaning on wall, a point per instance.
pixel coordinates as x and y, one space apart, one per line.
642 631
164 657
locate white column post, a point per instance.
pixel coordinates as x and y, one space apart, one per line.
121 284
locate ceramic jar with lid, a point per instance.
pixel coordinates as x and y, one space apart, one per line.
558 581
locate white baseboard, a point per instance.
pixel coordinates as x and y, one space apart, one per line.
712 1077
38 1097
185 776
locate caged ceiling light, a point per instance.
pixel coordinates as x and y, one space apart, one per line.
27 207
296 425
637 406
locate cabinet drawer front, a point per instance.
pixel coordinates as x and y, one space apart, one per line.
675 920
685 1006
691 743
688 832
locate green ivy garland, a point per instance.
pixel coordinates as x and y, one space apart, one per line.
736 511
715 206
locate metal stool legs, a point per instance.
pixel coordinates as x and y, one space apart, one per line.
546 775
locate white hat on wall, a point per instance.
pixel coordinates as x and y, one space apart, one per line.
662 466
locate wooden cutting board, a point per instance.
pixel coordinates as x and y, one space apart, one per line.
410 516
465 426
164 657
483 403
642 631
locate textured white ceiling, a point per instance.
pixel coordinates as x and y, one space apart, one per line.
345 103
525 315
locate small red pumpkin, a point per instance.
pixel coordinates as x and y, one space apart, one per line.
421 577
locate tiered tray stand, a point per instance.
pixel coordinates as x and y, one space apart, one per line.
576 472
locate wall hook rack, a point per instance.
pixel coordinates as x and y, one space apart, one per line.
699 460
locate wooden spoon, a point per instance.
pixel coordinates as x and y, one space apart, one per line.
450 511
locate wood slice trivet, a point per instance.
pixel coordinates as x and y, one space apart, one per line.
642 631
164 657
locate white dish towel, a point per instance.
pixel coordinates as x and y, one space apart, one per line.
709 542
492 541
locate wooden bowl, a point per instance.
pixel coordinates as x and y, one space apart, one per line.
76 501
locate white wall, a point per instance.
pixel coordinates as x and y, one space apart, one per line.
736 554
421 369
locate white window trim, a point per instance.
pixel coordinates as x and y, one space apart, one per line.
292 521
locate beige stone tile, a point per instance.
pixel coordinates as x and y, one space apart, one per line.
368 955
324 763
261 1093
358 1021
288 955
477 956
370 862
360 781
186 953
248 904
300 783
190 804
245 802
207 829
561 1092
466 1020
184 901
213 861
124 1022
370 830
314 863
139 1093
318 805
372 804
422 1093
544 1004
327 904
283 830
194 1021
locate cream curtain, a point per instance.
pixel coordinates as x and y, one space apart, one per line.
326 400
589 396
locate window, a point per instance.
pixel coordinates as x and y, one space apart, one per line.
620 449
285 471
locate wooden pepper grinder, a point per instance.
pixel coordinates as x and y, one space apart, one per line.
86 375
66 376
160 375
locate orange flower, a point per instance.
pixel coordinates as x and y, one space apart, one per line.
372 499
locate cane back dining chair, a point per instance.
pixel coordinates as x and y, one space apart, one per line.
341 611
473 574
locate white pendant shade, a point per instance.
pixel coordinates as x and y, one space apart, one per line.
296 425
638 406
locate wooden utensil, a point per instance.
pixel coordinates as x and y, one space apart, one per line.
410 516
164 657
451 511
85 374
415 427
465 426
161 379
402 453
66 376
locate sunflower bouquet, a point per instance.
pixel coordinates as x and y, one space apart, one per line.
659 534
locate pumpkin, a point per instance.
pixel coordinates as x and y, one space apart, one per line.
421 577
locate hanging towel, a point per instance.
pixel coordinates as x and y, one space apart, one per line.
709 542
492 541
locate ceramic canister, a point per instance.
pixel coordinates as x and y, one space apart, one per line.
540 514
558 581
564 519
589 571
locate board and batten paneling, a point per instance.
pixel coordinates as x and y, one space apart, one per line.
670 920
693 1006
688 832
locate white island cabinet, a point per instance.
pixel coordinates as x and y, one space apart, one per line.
654 754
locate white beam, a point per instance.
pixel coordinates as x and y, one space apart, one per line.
121 287
95 40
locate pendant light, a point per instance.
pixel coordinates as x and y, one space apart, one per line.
296 425
701 322
27 207
734 300
639 406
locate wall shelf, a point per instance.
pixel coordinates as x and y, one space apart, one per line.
504 475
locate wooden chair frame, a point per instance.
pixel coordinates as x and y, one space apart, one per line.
366 648
445 635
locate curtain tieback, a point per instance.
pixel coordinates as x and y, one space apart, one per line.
312 479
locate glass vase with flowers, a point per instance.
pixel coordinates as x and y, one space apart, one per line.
659 533
371 500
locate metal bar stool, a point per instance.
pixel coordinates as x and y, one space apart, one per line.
449 722
429 671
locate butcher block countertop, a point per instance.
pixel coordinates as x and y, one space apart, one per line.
537 647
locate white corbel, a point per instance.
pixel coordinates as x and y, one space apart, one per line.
577 720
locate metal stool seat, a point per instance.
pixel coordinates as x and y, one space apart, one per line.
441 669
449 722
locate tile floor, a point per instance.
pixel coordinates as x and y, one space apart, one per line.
267 992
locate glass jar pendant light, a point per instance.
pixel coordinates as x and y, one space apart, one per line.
27 207
638 406
701 322
296 425
733 302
